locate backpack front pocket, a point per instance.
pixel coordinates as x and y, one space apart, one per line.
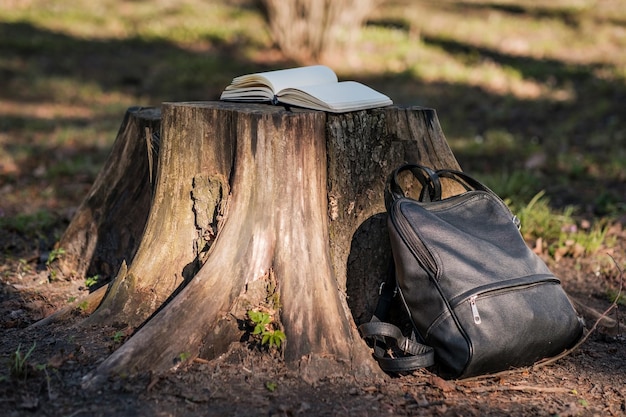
504 327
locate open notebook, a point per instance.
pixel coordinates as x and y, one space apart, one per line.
314 87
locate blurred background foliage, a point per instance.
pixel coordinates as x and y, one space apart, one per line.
530 93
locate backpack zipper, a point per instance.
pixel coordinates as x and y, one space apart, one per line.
472 299
475 313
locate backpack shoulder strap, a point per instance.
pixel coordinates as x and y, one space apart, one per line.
386 335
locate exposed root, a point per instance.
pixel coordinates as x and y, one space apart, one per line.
85 305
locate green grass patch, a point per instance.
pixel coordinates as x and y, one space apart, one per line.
30 224
539 219
516 187
559 230
84 164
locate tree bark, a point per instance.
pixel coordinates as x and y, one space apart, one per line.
108 225
258 207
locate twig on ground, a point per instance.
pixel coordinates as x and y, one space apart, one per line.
500 388
606 324
77 412
91 301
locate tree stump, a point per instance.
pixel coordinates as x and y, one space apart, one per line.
261 207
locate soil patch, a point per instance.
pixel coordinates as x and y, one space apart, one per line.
248 382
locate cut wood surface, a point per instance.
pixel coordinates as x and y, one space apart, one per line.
259 207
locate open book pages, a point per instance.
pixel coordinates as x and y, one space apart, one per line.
340 97
315 87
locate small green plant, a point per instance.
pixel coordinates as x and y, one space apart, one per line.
118 336
83 306
71 299
42 367
23 267
55 254
19 365
53 275
91 281
184 356
264 327
260 320
273 337
271 386
616 297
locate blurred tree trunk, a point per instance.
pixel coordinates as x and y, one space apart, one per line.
305 30
257 207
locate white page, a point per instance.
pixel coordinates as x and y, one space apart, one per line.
344 96
294 77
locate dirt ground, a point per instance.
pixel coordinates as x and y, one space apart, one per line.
245 382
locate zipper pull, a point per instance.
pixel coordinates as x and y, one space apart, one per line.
517 222
472 301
